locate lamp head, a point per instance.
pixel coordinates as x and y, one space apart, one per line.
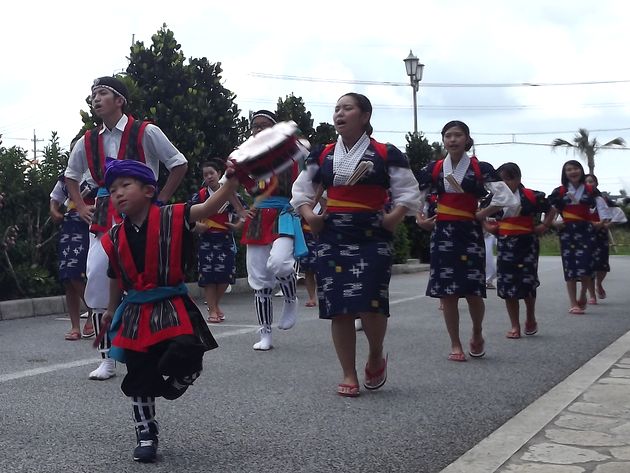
411 64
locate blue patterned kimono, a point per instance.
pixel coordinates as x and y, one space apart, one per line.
458 254
518 249
354 251
74 240
216 258
578 235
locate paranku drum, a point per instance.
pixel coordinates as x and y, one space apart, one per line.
269 152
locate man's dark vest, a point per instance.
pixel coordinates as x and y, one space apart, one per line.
130 148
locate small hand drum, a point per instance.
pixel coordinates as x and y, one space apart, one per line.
269 152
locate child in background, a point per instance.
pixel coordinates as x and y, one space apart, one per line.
308 263
601 217
574 200
217 249
72 254
518 249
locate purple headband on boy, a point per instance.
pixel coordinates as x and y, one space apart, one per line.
115 168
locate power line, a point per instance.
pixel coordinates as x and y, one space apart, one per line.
604 105
523 133
434 84
554 132
549 145
527 143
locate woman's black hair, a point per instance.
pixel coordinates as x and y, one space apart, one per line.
564 179
594 178
215 163
457 123
511 170
364 105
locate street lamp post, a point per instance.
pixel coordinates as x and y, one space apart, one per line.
414 71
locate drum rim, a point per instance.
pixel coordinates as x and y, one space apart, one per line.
287 131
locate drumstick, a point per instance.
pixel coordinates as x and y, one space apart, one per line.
361 170
453 182
611 240
318 194
223 208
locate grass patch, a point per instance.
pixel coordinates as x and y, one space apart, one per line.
550 243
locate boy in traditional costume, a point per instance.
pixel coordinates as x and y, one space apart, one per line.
272 244
157 330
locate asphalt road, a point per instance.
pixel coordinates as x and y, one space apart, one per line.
278 412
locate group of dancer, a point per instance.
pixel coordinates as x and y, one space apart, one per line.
350 197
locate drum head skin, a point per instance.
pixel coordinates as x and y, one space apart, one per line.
270 151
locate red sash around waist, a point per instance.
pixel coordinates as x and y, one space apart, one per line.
217 223
355 199
519 225
456 206
575 213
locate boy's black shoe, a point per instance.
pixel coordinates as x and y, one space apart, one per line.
146 450
173 389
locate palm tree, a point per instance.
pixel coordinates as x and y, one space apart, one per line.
588 149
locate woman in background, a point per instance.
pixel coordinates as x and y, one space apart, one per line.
574 200
457 245
518 249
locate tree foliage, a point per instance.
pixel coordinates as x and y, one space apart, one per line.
587 148
293 108
420 153
324 133
28 267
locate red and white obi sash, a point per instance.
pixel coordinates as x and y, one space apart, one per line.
576 213
518 225
456 206
216 223
359 198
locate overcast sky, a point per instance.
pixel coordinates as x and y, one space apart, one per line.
52 51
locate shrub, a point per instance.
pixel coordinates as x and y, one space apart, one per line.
401 245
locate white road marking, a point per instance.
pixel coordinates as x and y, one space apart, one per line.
90 361
407 299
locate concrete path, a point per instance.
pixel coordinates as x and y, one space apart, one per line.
580 426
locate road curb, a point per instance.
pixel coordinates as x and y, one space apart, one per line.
43 306
491 453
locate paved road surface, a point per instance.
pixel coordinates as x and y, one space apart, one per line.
278 411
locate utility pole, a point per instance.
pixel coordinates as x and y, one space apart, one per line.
35 140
